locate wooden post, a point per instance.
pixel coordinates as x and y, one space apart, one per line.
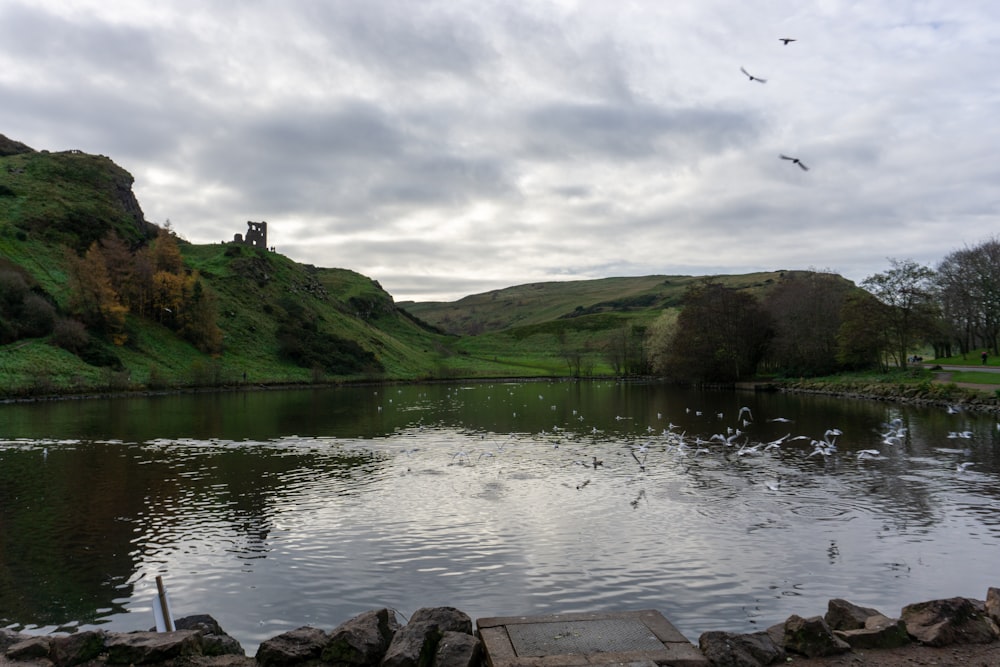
161 596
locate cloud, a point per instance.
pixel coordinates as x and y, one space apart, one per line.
445 148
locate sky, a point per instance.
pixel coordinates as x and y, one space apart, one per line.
447 148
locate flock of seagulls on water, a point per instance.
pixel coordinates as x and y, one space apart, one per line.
731 440
756 79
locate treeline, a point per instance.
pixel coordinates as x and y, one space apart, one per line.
111 279
817 324
107 282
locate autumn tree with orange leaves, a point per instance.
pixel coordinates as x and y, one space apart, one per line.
111 280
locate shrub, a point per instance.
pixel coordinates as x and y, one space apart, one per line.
156 380
308 348
41 382
97 354
37 316
117 379
8 333
206 373
70 335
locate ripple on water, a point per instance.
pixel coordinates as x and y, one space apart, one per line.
301 530
822 510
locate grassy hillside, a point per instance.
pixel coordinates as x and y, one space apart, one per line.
555 328
68 198
55 205
539 303
280 321
255 292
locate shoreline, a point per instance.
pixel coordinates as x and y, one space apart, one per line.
951 631
977 398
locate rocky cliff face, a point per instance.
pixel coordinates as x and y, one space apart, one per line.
11 147
69 197
125 198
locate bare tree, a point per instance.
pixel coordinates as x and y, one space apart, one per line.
659 337
959 306
722 335
863 341
907 288
806 309
968 281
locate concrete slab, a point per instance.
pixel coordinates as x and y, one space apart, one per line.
629 638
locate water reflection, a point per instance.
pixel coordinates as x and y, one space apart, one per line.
278 509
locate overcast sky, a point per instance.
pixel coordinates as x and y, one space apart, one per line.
446 148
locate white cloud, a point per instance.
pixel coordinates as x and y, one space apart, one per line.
446 148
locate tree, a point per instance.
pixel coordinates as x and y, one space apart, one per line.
722 335
23 312
862 338
806 310
907 288
968 283
198 317
659 337
987 270
121 266
70 335
92 297
573 356
168 297
625 350
166 254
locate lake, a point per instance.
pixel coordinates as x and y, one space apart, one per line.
272 510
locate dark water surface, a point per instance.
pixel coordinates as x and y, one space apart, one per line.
274 510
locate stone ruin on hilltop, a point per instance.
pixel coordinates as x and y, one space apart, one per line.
256 235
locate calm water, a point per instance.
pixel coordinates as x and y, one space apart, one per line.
275 510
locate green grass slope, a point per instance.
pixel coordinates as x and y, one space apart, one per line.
539 303
559 328
68 198
55 203
257 290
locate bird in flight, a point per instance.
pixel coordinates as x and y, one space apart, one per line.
752 77
786 40
795 160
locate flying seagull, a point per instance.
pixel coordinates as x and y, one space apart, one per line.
795 160
752 77
786 40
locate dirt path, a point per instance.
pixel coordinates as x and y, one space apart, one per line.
944 377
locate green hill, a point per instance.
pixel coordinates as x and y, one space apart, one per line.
280 321
229 314
536 303
581 327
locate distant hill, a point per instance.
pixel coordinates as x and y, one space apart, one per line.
536 303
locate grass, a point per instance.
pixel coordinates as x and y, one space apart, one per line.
912 375
973 377
543 304
971 359
66 197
